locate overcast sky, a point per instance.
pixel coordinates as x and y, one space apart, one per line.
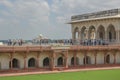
28 18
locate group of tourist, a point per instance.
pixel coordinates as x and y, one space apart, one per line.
94 42
86 42
72 42
15 42
49 41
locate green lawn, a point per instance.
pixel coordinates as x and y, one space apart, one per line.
83 75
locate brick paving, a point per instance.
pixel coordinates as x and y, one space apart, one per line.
48 72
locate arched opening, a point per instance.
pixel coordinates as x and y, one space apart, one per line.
101 35
76 33
111 33
101 32
46 62
92 33
72 61
110 36
83 33
108 59
31 62
87 60
15 63
60 61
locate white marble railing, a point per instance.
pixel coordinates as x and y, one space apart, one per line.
105 13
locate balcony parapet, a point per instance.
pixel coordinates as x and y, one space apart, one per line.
52 48
101 47
23 48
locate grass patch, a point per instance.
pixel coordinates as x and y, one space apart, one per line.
82 75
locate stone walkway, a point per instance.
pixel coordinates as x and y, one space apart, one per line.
46 72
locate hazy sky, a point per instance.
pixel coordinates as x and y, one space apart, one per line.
28 18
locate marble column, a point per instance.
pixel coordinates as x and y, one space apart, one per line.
79 35
106 35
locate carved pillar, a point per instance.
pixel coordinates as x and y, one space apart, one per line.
105 57
117 36
95 54
11 58
85 55
25 56
66 57
52 57
38 56
114 58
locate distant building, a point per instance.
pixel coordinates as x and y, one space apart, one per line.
104 25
